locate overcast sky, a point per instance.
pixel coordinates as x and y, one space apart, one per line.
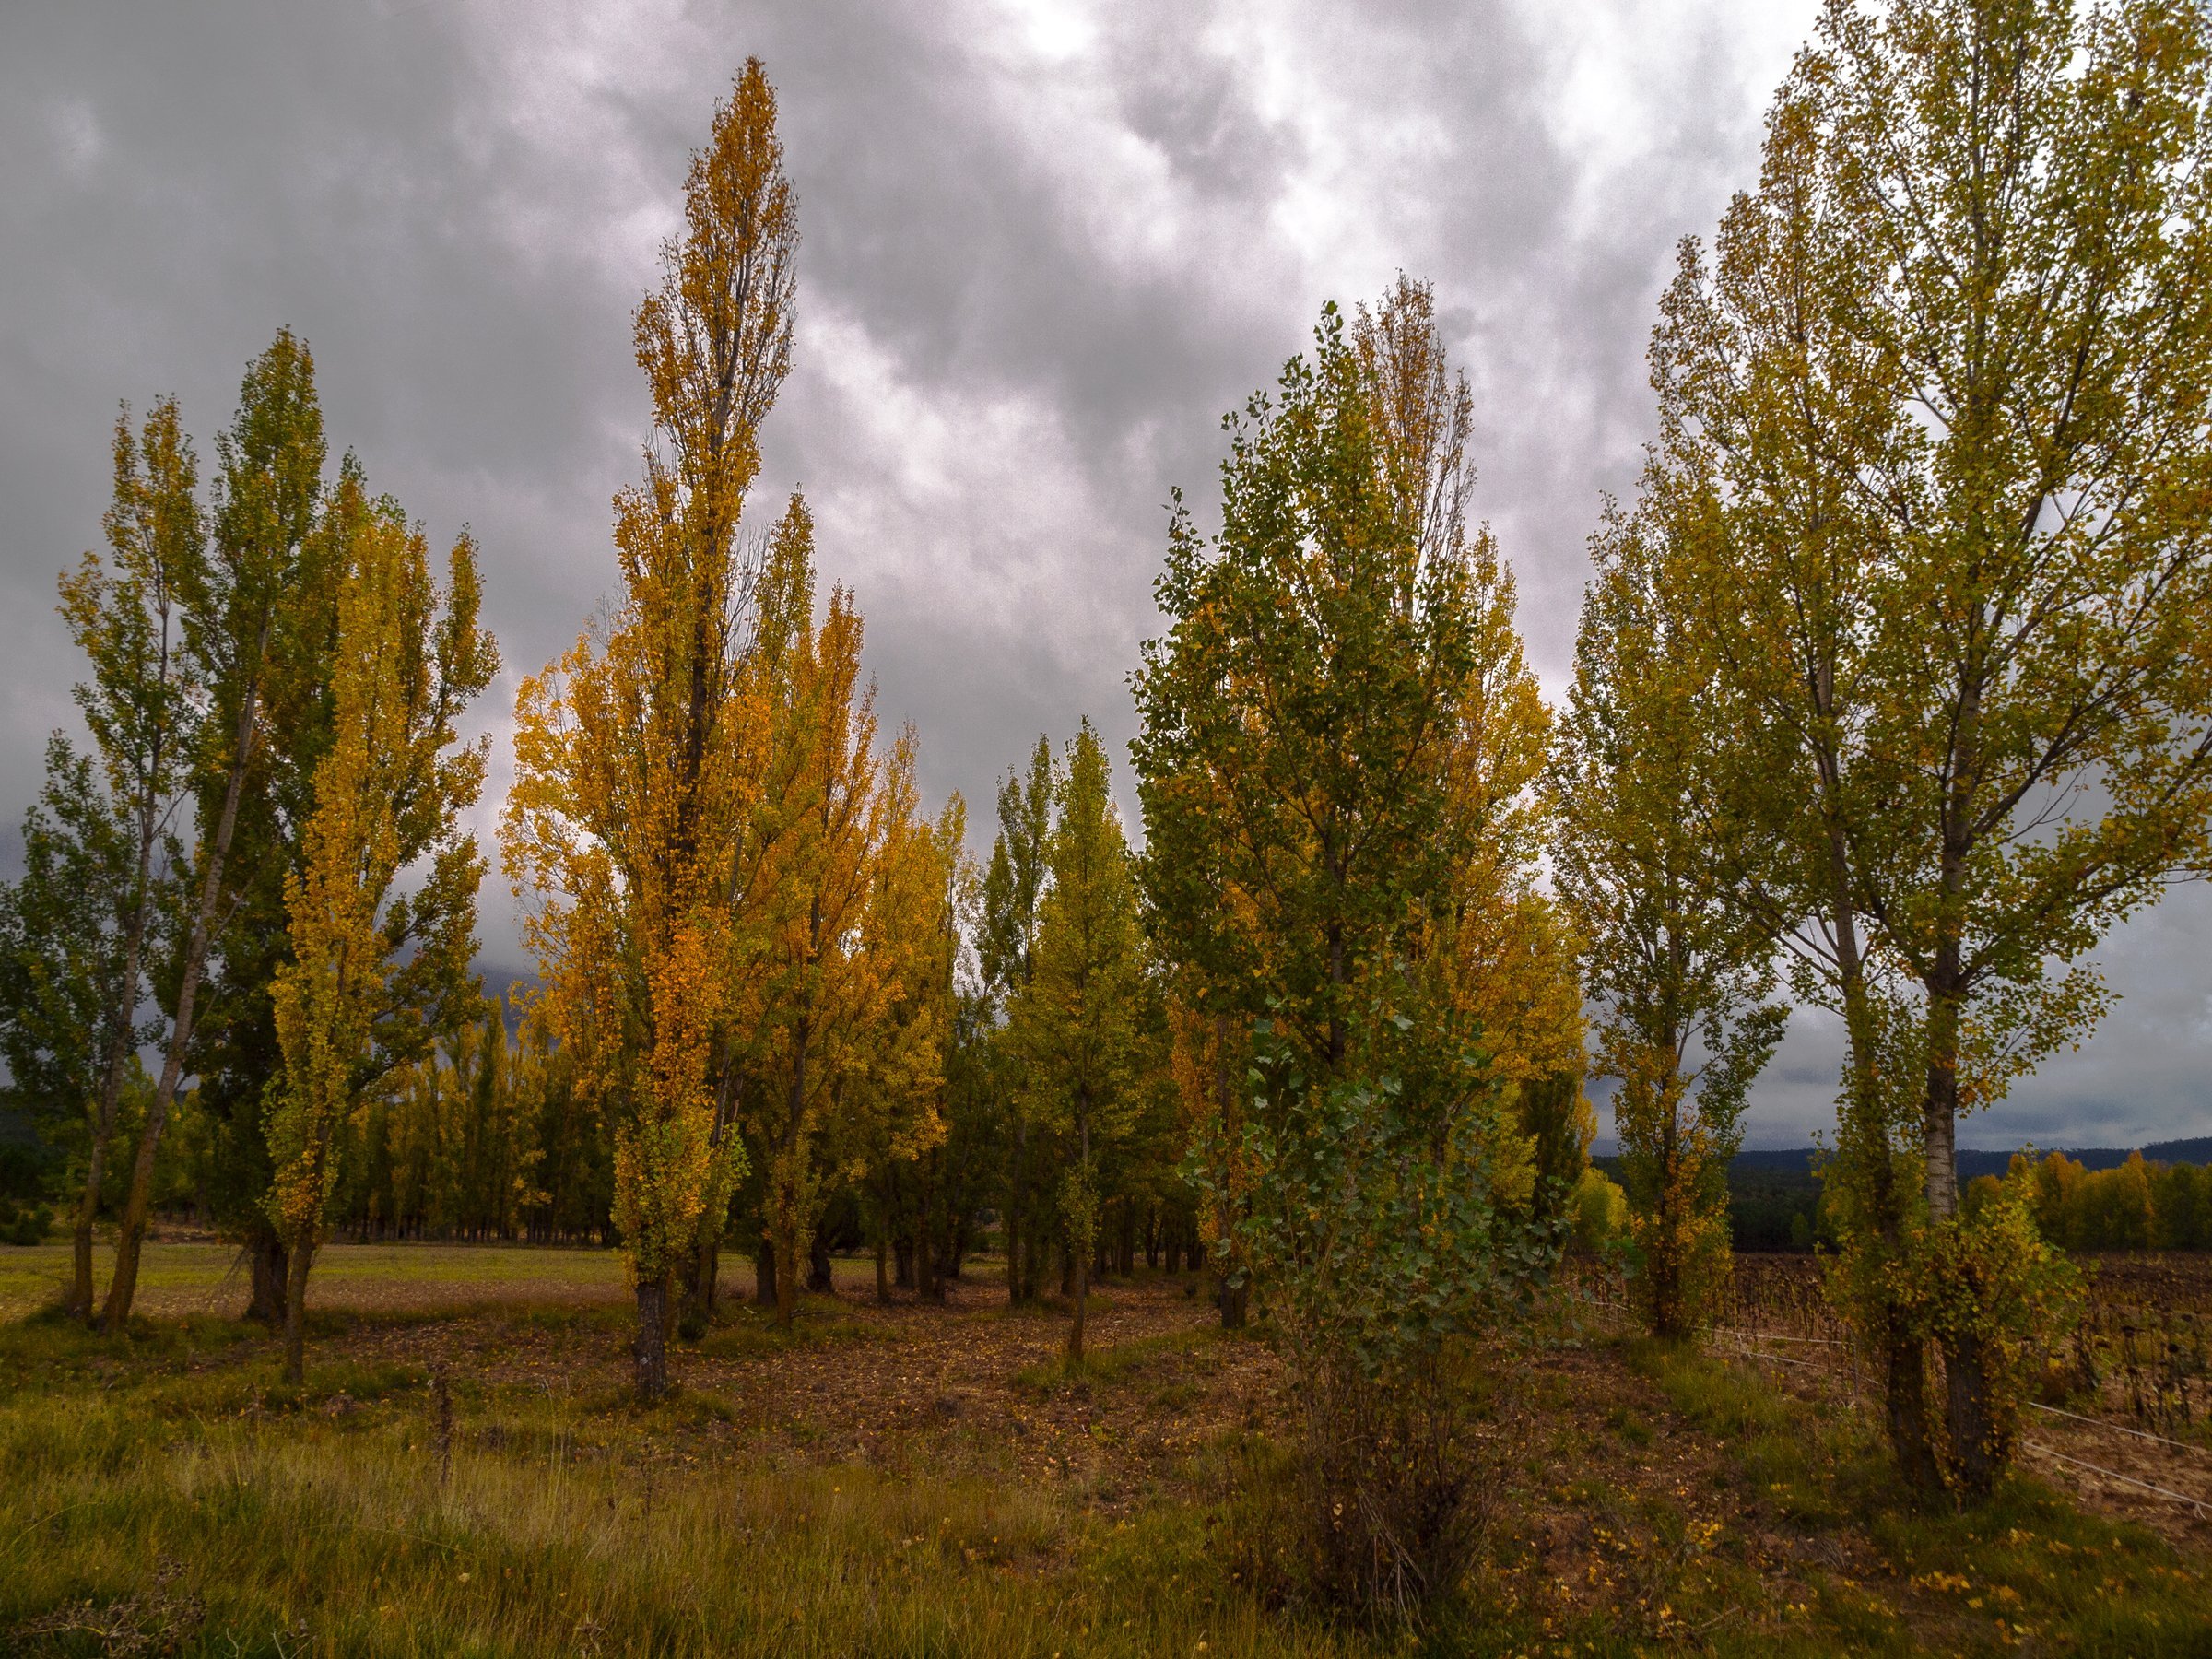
1045 245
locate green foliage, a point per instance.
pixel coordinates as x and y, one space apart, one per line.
1681 973
1086 1026
1291 764
62 942
1998 1299
1378 1231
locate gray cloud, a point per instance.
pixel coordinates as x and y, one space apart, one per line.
1046 246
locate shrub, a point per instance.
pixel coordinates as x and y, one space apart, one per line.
1378 1228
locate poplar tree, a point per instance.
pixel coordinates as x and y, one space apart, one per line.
637 754
241 607
1006 952
893 1114
1078 1024
1682 977
390 789
2030 180
1304 720
63 934
1297 716
1944 390
820 993
83 923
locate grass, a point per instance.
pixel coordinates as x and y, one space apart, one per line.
177 1280
162 1491
199 1505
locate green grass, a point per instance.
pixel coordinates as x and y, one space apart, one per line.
178 1279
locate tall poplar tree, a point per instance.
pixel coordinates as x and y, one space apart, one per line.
107 830
820 993
1305 721
892 1114
63 926
395 781
1944 389
1681 976
2031 181
1005 951
637 753
241 605
1297 716
1079 1024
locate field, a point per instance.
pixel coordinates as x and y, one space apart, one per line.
910 1480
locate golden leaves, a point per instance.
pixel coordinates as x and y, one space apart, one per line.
399 674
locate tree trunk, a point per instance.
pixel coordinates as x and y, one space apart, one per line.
1977 1456
1906 1387
925 1258
1939 1105
883 1275
764 1273
1231 1299
651 1351
1864 1138
1975 1452
902 1261
80 1278
265 1258
709 1277
1074 1331
300 1257
125 1006
124 1286
1229 1296
788 1269
1022 1226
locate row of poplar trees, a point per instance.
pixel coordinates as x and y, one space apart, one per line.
779 983
274 683
1893 687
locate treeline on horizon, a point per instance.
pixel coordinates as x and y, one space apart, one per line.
1891 695
2127 1201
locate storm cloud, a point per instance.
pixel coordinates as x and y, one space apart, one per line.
1045 247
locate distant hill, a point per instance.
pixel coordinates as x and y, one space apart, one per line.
2197 1151
1768 1164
